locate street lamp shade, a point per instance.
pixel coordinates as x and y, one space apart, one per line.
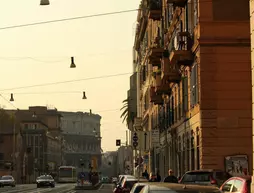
84 95
44 2
72 63
11 99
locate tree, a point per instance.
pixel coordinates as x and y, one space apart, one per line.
127 115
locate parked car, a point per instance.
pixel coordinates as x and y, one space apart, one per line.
205 177
126 185
45 181
237 184
7 181
160 187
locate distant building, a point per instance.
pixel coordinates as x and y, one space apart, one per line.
125 160
34 145
82 138
109 164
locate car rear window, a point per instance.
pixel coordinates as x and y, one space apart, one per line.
197 177
130 184
138 188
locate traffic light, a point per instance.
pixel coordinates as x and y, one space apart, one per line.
118 142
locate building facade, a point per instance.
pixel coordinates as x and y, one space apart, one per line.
34 144
109 164
252 65
193 63
125 160
82 138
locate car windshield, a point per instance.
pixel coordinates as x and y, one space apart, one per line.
197 177
6 178
45 178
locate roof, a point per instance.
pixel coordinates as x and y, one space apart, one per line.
182 188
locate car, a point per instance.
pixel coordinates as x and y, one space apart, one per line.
237 184
162 187
205 177
138 187
126 185
45 181
7 180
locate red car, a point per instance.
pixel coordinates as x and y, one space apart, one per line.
237 184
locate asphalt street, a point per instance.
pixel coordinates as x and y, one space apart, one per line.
59 188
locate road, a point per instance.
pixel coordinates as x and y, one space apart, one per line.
60 188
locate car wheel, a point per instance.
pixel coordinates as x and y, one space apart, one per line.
52 186
38 186
13 185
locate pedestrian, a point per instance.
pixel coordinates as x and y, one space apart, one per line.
145 175
171 178
152 177
158 176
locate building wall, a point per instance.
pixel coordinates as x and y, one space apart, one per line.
252 67
213 97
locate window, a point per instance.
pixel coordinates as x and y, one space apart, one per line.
194 86
1 156
26 126
238 185
188 151
179 156
192 151
185 93
198 150
195 12
183 153
227 186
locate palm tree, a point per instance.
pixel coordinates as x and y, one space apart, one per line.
125 109
126 114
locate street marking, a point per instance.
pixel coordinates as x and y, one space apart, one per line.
100 187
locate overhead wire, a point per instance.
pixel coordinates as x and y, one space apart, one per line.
87 16
63 82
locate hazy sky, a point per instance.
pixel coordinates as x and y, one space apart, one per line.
41 54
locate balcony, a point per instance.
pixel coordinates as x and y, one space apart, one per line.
154 9
178 3
182 54
154 98
155 52
162 87
169 73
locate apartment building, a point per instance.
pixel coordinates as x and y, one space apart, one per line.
193 61
252 57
